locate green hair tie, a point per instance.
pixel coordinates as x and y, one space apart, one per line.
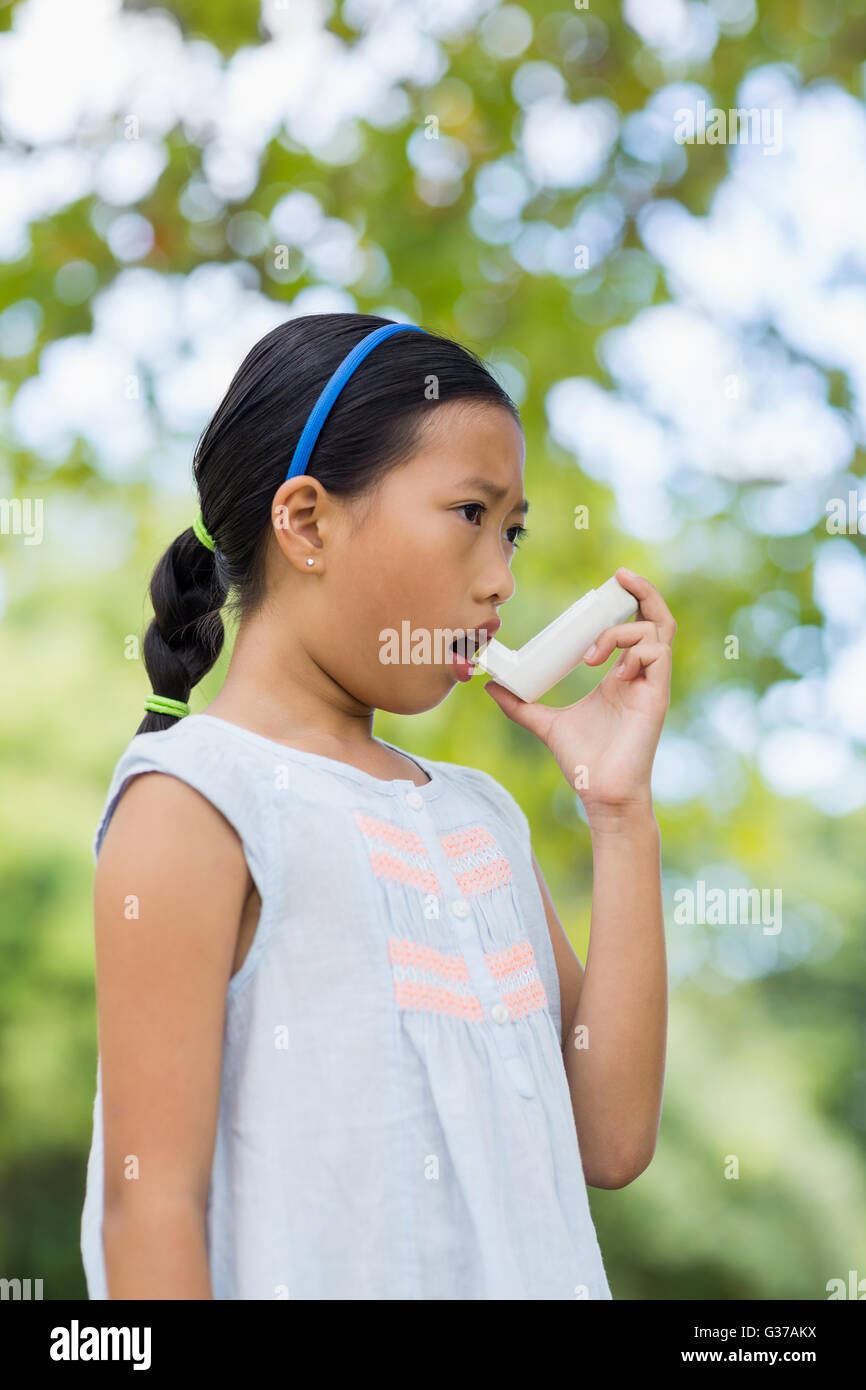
161 704
202 532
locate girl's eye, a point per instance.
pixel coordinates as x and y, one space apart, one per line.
521 531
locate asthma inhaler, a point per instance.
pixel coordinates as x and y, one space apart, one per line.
557 649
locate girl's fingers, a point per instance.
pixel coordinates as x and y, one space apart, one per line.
651 604
654 657
622 635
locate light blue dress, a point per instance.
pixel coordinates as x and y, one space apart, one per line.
394 1117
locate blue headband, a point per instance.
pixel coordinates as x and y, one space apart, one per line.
331 391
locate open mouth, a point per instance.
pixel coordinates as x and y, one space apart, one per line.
465 645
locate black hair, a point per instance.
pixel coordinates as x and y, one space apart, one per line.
244 453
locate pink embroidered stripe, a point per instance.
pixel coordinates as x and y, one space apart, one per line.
440 1001
404 858
502 963
458 842
477 862
387 866
427 979
475 859
516 972
393 835
525 1001
422 957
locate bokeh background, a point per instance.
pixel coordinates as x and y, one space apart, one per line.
682 322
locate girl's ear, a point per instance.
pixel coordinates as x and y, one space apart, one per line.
300 516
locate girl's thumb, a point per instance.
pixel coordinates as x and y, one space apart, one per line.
533 717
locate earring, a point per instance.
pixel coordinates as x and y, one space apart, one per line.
310 560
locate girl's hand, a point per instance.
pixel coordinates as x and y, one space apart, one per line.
605 743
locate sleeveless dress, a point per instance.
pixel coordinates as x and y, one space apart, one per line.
394 1116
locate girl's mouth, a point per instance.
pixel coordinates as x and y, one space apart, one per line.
460 654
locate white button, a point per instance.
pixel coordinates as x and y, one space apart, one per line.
499 1013
415 800
460 908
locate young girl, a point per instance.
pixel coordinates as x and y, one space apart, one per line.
345 1047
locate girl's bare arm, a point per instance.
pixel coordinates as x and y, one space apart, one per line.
615 1064
169 890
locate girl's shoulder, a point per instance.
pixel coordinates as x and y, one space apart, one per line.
199 752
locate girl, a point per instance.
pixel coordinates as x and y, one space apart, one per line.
342 1033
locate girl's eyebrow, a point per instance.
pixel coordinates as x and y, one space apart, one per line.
494 491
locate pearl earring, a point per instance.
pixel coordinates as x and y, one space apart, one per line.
310 560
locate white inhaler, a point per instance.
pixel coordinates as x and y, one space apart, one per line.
542 661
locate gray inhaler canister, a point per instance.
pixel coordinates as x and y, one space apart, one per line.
542 661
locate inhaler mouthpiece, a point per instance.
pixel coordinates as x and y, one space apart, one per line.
559 647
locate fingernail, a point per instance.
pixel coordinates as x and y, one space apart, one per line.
591 651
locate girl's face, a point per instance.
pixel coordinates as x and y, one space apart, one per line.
398 575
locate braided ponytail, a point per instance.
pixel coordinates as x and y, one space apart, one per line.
186 634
